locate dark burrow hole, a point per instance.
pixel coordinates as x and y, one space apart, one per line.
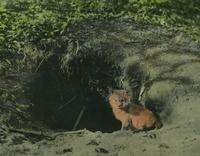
73 94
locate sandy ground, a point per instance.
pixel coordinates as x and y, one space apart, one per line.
179 136
173 65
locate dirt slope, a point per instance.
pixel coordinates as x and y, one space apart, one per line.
170 60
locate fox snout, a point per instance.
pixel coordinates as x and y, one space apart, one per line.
121 105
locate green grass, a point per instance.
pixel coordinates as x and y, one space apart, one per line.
29 22
33 20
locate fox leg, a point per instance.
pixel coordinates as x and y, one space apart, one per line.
125 125
122 127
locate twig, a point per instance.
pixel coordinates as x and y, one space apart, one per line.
70 132
142 90
41 63
79 118
72 99
29 132
77 47
40 134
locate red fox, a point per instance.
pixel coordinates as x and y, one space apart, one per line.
130 114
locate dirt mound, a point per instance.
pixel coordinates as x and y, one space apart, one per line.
118 54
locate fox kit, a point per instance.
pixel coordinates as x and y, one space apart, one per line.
119 101
130 114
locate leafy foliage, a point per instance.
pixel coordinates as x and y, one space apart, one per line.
31 21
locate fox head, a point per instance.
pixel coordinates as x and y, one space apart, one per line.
120 98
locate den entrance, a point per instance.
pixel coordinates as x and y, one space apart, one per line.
75 96
71 91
